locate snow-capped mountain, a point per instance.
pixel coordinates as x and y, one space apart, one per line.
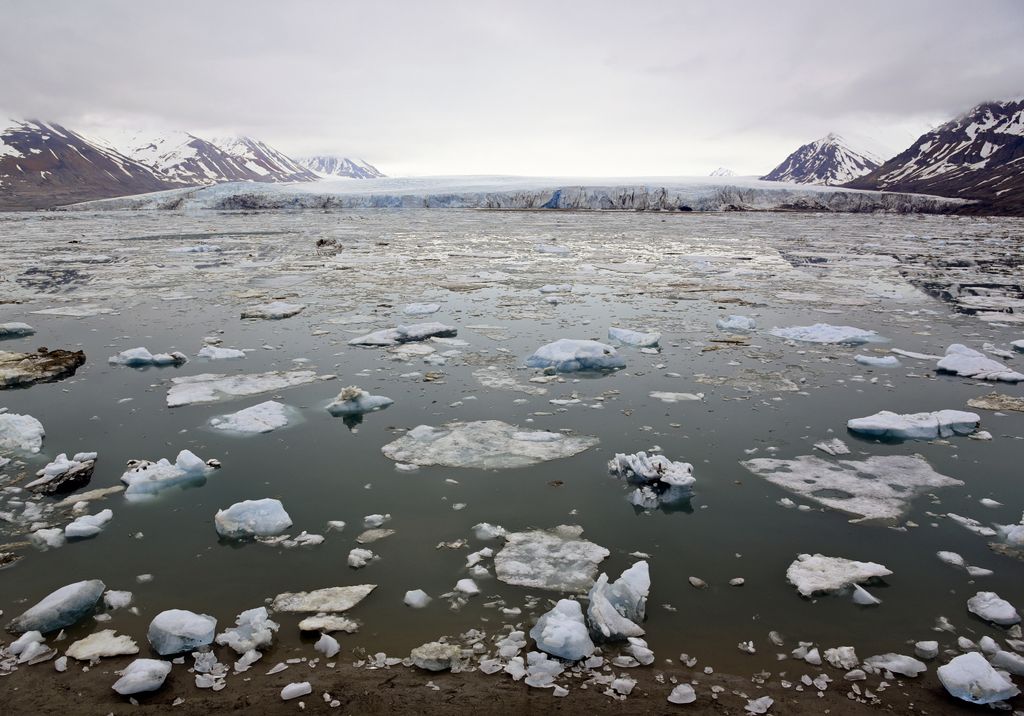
42 164
722 172
829 160
263 160
978 155
331 167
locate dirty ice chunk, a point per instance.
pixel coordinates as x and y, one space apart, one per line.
897 664
274 310
176 630
568 355
989 606
916 426
88 525
421 309
64 475
878 361
43 366
142 675
102 643
254 629
15 330
817 573
557 559
736 323
825 333
261 418
140 357
417 598
644 469
970 678
329 599
405 334
214 387
217 353
436 656
634 338
969 363
252 518
146 479
60 608
880 487
488 444
356 401
562 632
616 611
21 433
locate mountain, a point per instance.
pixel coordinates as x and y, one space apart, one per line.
328 166
829 160
43 165
722 172
263 160
979 155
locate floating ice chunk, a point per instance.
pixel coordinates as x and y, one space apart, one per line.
682 694
64 475
254 629
972 525
176 630
360 557
216 353
558 559
562 632
88 525
616 611
329 599
880 487
117 599
102 643
60 608
863 597
897 664
667 397
142 675
329 623
736 323
989 606
759 706
436 656
825 333
643 469
252 518
467 587
488 444
842 657
295 690
556 288
274 310
327 645
215 387
421 309
817 573
568 355
485 531
916 426
23 642
417 598
47 538
146 479
634 338
926 649
878 361
1007 660
21 433
969 363
140 357
833 446
551 249
356 401
405 334
15 330
260 418
970 678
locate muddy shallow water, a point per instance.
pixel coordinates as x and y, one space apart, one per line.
673 274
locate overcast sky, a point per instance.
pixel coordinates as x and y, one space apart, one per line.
533 88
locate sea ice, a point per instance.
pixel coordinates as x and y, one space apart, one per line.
825 333
989 606
568 355
176 630
254 629
405 334
100 644
146 479
970 678
88 525
252 518
916 426
214 387
878 361
736 323
140 357
142 675
661 480
562 632
353 400
261 418
217 353
634 338
274 310
60 608
488 444
558 559
64 475
15 330
21 433
329 599
969 363
817 573
421 309
616 611
879 487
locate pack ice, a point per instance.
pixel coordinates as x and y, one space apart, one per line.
405 334
970 678
60 608
146 479
916 426
825 333
214 387
558 559
261 418
880 487
21 433
568 355
812 573
488 444
969 363
176 630
252 518
140 357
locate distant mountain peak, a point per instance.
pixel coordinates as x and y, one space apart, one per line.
331 166
722 172
828 160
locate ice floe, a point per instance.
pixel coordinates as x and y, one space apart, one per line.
813 573
64 475
353 400
274 310
140 357
261 418
421 309
214 387
969 363
218 353
568 355
825 333
20 433
991 607
405 334
252 518
487 444
147 479
176 630
916 426
562 632
558 559
636 339
60 608
329 599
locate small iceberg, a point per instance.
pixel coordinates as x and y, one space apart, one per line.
916 426
969 363
147 479
142 675
252 518
60 609
970 678
562 632
140 357
825 333
15 330
353 400
260 418
177 630
617 610
64 475
215 387
660 480
405 334
568 355
634 338
814 573
274 311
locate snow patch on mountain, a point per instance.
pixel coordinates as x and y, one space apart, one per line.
829 160
330 167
